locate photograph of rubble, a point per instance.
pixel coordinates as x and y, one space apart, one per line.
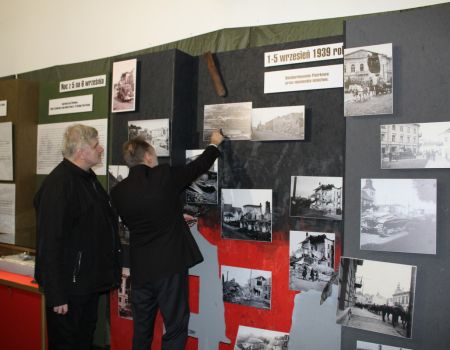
311 259
263 339
368 83
247 214
234 119
317 197
398 215
204 190
376 296
278 123
247 287
123 96
415 145
154 131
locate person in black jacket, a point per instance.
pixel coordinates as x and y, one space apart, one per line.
78 247
162 248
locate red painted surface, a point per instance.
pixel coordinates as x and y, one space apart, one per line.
20 317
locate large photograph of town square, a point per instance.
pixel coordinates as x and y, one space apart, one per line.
316 197
247 214
415 145
311 259
376 296
368 87
247 287
398 215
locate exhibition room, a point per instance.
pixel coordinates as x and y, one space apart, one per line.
225 176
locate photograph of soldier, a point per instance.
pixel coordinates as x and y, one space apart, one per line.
368 88
123 86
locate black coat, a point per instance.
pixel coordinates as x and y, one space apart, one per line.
148 201
78 246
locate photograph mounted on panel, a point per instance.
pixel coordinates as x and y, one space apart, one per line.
376 296
318 197
398 215
116 173
247 214
247 287
363 345
278 123
123 94
311 260
257 338
204 190
235 120
154 131
415 145
124 294
368 83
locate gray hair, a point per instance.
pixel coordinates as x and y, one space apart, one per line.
76 137
134 151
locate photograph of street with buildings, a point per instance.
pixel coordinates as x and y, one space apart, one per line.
235 120
376 296
249 338
398 215
247 287
368 83
362 345
247 214
204 190
311 259
154 131
123 86
278 123
317 197
415 145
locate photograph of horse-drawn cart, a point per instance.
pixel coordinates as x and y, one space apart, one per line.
368 88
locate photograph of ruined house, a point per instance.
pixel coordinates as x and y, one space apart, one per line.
368 85
398 215
154 131
311 259
249 338
124 295
362 345
376 296
278 123
316 197
415 145
247 214
123 86
247 287
204 190
235 120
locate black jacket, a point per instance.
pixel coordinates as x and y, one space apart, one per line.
78 247
148 201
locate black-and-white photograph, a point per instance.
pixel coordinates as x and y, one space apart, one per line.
368 83
317 197
363 345
247 214
398 215
235 120
247 287
376 296
154 131
415 145
124 295
278 123
204 190
249 338
311 260
116 173
123 95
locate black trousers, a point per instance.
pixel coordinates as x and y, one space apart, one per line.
74 330
171 296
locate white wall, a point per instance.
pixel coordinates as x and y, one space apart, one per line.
35 34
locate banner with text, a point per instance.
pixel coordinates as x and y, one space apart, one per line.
82 83
313 78
304 54
67 105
